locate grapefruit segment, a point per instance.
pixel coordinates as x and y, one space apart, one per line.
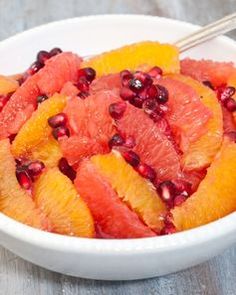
152 145
7 85
113 218
133 189
202 151
15 202
187 115
55 194
144 54
36 129
50 79
215 196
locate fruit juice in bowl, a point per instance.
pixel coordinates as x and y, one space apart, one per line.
124 145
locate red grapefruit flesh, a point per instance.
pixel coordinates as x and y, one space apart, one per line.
69 89
113 218
152 145
107 82
48 80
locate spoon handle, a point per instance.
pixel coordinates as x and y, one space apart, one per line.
224 25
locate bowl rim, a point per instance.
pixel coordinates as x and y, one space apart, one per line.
203 234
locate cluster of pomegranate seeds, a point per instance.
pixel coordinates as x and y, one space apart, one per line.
139 90
41 98
225 96
116 110
66 169
85 78
3 100
42 57
174 193
58 123
27 171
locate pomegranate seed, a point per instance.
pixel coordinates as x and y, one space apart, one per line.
57 120
146 171
41 98
3 100
167 191
116 140
126 93
66 169
155 72
24 179
230 105
183 187
162 109
35 168
12 137
116 110
34 68
152 92
224 93
130 142
60 132
168 229
88 73
150 105
179 199
83 94
136 85
137 102
132 158
144 78
83 84
208 84
231 135
143 94
126 76
162 94
42 56
55 51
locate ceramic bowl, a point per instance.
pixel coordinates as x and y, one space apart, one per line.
112 259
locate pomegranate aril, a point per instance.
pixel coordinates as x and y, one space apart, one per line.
132 158
66 169
168 229
24 179
230 105
126 93
83 94
83 84
116 140
231 135
42 56
179 200
41 98
136 85
88 73
144 78
162 94
130 142
224 93
150 105
60 132
152 92
208 84
146 171
116 110
35 168
155 72
55 51
137 102
126 76
183 186
166 190
57 120
162 109
12 137
34 68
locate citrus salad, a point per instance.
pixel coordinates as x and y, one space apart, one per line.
131 143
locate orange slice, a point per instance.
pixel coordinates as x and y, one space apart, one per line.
144 54
215 196
55 194
7 85
133 189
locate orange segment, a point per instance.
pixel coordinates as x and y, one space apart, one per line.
55 194
14 201
48 152
144 54
201 152
215 196
133 189
36 129
7 85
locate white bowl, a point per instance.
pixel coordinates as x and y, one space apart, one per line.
111 259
